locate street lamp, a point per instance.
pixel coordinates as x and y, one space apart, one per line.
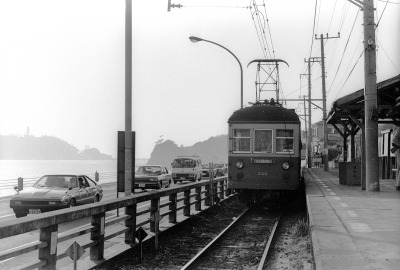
197 39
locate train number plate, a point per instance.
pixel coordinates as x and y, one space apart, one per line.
263 161
262 173
34 211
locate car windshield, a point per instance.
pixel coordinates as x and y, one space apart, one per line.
183 163
56 181
149 170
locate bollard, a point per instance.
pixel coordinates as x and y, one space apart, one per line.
96 176
20 183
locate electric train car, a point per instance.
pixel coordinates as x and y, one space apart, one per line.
264 153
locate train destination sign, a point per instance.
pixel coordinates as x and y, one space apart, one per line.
262 161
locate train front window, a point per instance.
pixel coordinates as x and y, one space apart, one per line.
284 141
241 141
262 141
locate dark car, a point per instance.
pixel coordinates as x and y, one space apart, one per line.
221 169
52 192
152 177
205 172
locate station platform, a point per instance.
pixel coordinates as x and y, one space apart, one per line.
351 228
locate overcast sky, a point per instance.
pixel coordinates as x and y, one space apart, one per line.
62 64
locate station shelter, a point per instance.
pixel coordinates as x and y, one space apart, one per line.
347 117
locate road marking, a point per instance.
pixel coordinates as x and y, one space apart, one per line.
7 259
352 214
333 193
328 189
344 204
360 227
337 198
7 216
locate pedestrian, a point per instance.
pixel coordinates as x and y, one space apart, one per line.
396 151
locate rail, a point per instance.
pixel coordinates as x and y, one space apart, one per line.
47 223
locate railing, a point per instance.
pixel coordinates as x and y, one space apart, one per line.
48 222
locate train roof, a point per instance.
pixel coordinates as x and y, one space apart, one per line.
264 113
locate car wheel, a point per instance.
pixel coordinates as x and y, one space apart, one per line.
18 215
96 199
200 177
72 203
169 183
175 182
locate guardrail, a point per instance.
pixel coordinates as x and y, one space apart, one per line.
47 223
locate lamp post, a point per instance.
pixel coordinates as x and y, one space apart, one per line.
197 39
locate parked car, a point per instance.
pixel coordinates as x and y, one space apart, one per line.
205 172
152 177
52 192
221 169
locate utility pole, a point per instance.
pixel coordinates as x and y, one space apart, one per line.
370 96
128 97
309 61
370 99
326 164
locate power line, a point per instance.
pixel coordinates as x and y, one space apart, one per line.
349 74
344 51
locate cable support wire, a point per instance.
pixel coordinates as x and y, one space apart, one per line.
381 47
376 26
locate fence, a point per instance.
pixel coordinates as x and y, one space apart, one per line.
48 223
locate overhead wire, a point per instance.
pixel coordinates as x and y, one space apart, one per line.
349 75
344 51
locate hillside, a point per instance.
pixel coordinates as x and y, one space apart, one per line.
215 149
44 147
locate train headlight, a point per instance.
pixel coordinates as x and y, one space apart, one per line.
239 164
285 165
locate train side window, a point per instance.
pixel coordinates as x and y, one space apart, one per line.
262 141
241 141
284 141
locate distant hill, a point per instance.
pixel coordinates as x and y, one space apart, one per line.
215 149
44 147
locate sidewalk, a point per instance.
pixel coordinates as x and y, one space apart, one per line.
351 228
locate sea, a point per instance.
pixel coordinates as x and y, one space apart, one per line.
31 170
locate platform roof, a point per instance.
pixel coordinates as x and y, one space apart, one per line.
351 107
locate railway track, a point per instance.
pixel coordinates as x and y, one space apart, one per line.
243 244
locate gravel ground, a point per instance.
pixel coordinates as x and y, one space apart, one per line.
181 242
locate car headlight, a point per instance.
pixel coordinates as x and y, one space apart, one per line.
54 203
153 179
285 165
239 164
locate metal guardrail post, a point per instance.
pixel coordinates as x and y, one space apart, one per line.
97 234
20 183
198 199
130 223
172 207
48 253
207 201
221 190
186 202
154 212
